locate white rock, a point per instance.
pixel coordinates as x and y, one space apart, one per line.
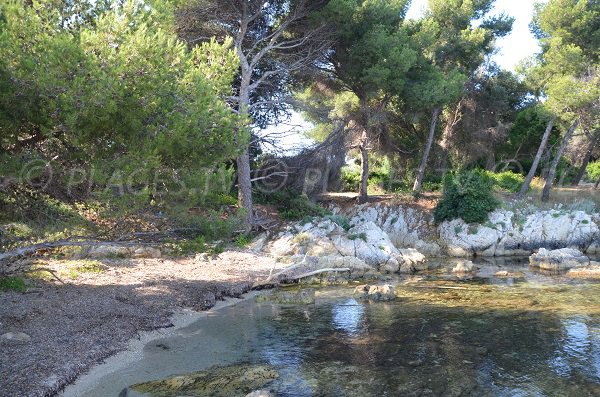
15 337
559 259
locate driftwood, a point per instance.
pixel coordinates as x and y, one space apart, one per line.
283 276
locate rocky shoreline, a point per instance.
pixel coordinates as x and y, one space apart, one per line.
55 332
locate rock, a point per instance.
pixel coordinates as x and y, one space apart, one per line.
260 393
290 297
592 271
411 260
564 258
391 266
15 337
464 267
235 380
375 292
107 251
259 243
506 273
146 252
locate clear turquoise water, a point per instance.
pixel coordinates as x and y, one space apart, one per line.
538 336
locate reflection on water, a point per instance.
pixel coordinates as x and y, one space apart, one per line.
579 349
439 338
348 317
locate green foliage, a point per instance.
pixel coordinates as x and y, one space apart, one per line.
507 181
243 240
293 205
467 195
339 220
12 284
362 236
593 171
107 88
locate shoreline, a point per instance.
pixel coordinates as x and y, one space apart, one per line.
134 351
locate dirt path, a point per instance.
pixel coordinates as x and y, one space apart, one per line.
76 325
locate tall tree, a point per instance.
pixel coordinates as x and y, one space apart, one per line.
273 40
568 30
456 47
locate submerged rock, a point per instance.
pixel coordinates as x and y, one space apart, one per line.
592 271
564 258
290 297
235 380
375 292
464 267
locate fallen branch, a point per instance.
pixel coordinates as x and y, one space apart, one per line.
45 269
32 249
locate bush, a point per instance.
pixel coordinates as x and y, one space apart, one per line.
467 195
593 171
507 181
293 205
350 179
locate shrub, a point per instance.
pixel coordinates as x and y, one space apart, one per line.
467 195
340 220
12 284
293 205
507 181
593 171
350 179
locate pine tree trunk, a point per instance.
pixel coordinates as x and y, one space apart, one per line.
363 196
586 159
245 188
597 183
536 160
421 173
557 156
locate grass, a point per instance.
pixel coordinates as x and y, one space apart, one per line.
12 284
76 268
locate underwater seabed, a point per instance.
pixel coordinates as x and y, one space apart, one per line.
530 335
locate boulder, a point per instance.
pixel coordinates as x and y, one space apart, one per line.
592 271
560 259
464 267
375 292
145 252
391 266
107 251
411 260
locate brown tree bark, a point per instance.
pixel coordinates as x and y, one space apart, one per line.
536 160
421 172
363 195
586 159
557 156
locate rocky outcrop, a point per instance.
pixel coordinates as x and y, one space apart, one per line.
362 248
505 234
559 259
393 238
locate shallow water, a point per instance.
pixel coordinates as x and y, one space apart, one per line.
532 336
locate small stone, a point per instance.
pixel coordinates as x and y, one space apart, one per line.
15 337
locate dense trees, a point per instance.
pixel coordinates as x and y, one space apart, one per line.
161 94
121 99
